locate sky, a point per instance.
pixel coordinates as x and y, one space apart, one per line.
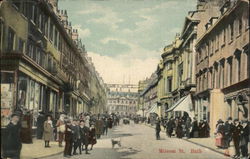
125 38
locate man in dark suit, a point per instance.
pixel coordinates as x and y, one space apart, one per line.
244 139
40 122
76 137
228 129
12 145
68 139
84 133
236 137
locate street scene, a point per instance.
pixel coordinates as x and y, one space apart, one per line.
125 79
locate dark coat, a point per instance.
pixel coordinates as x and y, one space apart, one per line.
92 136
26 130
76 132
12 142
158 127
84 133
40 122
68 134
244 137
237 132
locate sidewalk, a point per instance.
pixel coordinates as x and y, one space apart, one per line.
208 143
37 149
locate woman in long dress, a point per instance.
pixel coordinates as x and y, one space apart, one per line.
48 131
92 136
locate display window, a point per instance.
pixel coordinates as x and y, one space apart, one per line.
7 94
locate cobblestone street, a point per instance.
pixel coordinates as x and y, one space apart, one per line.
138 142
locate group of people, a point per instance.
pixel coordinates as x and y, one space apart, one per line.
236 131
183 127
78 133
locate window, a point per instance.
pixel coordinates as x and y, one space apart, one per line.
231 31
38 56
238 67
169 84
11 38
222 74
30 50
218 42
240 26
169 65
224 36
51 30
1 34
230 71
20 45
56 38
34 53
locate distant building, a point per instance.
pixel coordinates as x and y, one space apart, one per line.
122 99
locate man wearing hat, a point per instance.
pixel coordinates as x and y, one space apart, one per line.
40 121
244 139
228 131
236 137
12 143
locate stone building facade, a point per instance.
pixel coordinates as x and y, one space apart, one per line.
44 65
222 62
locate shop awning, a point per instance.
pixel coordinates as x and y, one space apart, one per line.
153 109
184 104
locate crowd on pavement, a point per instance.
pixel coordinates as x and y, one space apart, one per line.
80 133
230 130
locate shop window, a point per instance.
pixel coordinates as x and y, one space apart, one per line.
7 94
23 82
11 38
32 94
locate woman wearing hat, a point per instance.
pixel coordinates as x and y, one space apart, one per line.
48 131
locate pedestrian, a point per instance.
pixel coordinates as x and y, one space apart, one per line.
98 127
60 129
206 129
92 136
170 127
48 131
26 129
244 139
110 122
158 130
195 129
68 139
228 129
237 128
179 128
40 121
219 139
76 136
105 126
188 126
84 133
12 144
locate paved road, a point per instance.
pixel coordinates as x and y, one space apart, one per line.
138 142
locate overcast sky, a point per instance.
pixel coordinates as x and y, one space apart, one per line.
125 38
